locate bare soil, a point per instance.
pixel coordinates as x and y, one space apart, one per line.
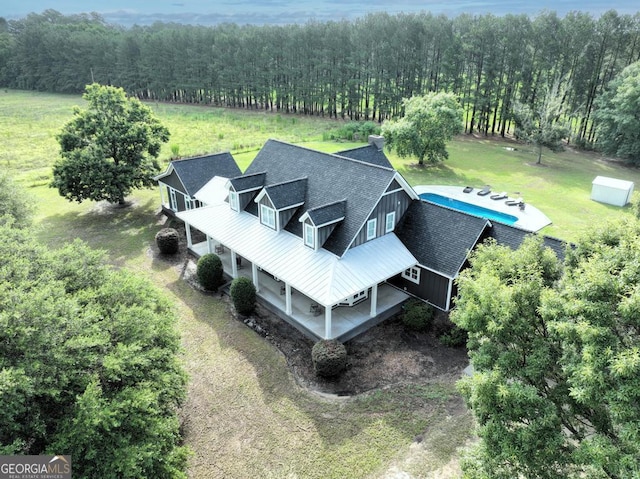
384 356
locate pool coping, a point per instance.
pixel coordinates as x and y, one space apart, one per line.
529 219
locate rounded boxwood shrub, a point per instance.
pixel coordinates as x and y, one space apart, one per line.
329 357
243 295
418 315
168 240
209 271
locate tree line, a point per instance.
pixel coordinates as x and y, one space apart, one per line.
360 70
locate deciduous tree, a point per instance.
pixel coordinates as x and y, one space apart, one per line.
543 125
428 123
109 148
14 206
88 363
556 354
617 116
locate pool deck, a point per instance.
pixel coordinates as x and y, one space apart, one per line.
530 219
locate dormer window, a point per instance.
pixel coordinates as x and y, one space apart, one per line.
390 222
268 216
371 229
309 235
233 201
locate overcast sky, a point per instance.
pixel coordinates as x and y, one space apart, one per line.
300 11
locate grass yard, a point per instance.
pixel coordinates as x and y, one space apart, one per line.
245 416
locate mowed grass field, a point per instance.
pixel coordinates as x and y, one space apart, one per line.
245 415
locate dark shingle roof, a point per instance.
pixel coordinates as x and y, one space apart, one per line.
196 172
287 194
248 181
327 213
331 178
513 237
440 238
369 154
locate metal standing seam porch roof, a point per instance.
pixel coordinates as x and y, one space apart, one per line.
320 275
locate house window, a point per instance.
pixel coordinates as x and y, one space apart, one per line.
268 216
391 222
412 274
173 201
371 229
309 236
189 203
233 200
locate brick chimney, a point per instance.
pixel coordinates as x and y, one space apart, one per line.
377 141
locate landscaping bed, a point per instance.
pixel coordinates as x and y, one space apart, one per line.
385 355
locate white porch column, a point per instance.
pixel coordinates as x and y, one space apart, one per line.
187 228
327 322
234 265
162 202
209 248
449 291
374 301
287 290
254 273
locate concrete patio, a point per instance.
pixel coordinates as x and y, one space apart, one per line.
530 218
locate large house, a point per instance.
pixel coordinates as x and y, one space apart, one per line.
335 243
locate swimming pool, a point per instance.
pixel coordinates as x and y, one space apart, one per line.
469 208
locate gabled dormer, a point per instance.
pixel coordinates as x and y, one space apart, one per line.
318 223
242 189
278 203
388 210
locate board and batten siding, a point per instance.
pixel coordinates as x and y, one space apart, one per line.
433 287
173 181
397 201
285 216
323 233
245 198
179 196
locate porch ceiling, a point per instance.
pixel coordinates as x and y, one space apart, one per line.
320 275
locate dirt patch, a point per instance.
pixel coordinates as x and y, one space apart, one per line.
385 355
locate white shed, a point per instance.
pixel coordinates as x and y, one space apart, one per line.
611 191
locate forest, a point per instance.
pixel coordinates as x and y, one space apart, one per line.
356 70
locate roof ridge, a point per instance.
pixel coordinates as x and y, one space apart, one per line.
288 181
344 200
366 163
204 155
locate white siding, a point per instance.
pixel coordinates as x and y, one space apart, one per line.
611 191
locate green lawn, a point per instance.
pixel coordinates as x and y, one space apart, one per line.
245 416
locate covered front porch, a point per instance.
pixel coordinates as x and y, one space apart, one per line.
316 321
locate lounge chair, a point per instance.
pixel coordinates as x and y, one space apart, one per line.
514 202
484 191
468 189
499 196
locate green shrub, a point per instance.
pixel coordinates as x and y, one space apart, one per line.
14 208
418 315
355 130
210 271
168 240
243 295
635 205
454 338
329 357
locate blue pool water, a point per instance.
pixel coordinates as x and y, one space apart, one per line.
469 208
